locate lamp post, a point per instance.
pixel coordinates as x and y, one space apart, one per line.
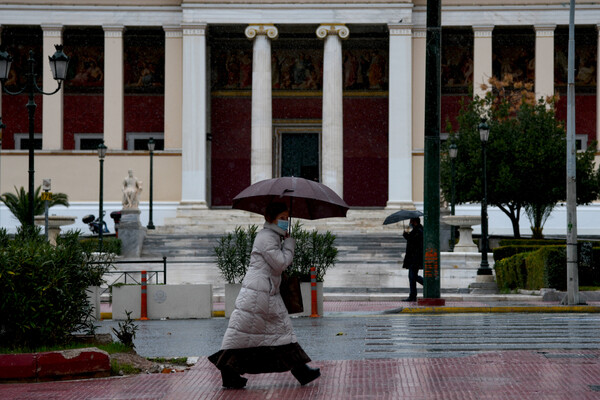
484 268
58 65
101 155
453 151
151 145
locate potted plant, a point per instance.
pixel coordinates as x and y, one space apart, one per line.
312 249
233 259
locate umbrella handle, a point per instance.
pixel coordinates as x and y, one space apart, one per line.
290 217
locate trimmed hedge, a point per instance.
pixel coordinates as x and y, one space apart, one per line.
546 267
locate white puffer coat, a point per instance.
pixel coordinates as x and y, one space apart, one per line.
260 317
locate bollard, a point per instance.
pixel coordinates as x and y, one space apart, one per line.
313 293
144 311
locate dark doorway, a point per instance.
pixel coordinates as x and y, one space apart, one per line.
300 155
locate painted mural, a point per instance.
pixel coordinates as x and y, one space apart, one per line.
144 61
85 48
457 61
513 52
18 42
585 59
300 69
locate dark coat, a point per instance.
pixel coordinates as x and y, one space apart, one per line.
414 248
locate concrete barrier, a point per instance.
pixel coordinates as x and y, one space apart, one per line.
164 301
233 289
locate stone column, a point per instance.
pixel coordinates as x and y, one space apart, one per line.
544 61
193 156
261 154
173 86
333 107
113 87
52 117
419 35
482 58
400 118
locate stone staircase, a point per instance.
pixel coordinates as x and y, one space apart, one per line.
363 260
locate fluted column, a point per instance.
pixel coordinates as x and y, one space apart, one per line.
173 86
544 60
333 107
113 87
419 35
52 111
261 153
482 58
193 155
400 118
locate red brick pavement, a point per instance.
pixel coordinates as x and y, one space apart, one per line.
493 375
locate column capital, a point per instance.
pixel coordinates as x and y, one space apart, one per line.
194 29
419 32
173 31
400 29
269 30
333 29
483 31
52 30
113 31
544 30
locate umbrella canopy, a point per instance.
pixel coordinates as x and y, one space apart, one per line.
305 199
401 216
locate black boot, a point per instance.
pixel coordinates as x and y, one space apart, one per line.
306 374
232 380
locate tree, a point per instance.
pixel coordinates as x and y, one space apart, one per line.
18 203
526 155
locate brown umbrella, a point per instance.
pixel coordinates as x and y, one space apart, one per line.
305 199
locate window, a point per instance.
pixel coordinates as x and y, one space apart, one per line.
87 141
581 142
297 150
22 141
139 140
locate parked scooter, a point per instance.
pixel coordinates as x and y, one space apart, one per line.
116 216
94 224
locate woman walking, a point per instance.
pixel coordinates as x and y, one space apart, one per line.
260 337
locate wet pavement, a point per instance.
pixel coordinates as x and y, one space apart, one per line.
365 353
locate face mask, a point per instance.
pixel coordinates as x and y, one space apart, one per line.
283 224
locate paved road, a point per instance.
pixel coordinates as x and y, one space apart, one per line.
388 336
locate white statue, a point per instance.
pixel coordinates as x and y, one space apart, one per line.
132 188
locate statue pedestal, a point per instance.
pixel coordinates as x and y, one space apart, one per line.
131 233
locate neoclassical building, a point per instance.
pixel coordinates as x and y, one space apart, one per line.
241 91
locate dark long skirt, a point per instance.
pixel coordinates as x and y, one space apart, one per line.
260 360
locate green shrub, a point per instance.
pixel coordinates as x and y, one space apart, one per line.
233 253
509 251
109 244
312 249
511 272
43 295
531 242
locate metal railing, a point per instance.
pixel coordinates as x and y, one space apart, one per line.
134 276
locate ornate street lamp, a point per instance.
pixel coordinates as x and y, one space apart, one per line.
484 134
101 155
151 145
453 152
58 64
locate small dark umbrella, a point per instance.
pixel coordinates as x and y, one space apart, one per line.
305 199
401 216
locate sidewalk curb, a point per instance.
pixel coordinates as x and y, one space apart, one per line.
495 309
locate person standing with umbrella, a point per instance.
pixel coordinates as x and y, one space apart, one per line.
413 260
260 337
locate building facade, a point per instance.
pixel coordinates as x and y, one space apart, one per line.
242 91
